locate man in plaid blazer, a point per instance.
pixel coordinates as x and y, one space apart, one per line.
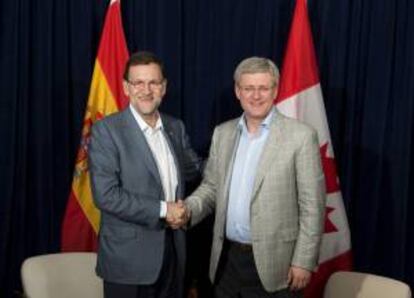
264 181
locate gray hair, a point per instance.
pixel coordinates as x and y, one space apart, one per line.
256 65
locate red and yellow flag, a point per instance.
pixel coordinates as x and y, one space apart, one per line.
300 97
81 222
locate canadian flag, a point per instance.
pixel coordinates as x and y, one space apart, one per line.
300 97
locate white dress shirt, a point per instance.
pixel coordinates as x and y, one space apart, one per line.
163 157
247 158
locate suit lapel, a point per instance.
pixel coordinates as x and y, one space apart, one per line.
139 145
229 153
270 151
171 137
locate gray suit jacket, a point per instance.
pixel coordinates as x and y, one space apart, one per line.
288 200
127 189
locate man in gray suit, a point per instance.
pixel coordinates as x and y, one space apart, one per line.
264 181
139 159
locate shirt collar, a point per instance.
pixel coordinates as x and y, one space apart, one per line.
144 125
265 123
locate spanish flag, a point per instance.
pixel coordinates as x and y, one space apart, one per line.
81 221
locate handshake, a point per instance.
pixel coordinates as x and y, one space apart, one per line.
177 214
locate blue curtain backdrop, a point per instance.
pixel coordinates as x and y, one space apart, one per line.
365 51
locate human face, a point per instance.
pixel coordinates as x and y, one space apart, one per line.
256 92
145 88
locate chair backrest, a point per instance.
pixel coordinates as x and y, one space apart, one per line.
61 275
363 285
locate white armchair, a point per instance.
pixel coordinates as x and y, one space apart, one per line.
363 285
63 275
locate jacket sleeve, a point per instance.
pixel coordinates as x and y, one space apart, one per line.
108 192
202 201
311 200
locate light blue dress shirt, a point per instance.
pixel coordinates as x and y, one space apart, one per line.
247 157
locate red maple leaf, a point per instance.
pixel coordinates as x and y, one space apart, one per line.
332 184
329 226
329 168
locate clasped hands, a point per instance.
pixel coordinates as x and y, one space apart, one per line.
177 214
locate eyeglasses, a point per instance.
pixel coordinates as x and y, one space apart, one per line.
249 90
152 85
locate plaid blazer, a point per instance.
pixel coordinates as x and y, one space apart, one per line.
288 199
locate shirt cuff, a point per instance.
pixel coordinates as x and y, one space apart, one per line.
163 209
